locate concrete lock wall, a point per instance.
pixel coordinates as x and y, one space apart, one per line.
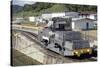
31 53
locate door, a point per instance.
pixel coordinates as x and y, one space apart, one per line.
87 25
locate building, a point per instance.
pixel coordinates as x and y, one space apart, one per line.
51 15
83 24
32 19
60 14
91 15
18 20
72 14
39 19
80 20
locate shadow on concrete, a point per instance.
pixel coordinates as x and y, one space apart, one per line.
20 59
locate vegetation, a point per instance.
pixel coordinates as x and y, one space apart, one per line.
39 8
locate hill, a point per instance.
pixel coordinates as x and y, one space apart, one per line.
16 8
39 8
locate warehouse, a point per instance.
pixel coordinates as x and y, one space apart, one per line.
59 14
83 24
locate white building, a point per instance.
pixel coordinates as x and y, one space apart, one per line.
32 19
84 23
59 14
91 15
51 15
39 19
18 20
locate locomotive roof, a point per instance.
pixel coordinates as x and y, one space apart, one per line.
69 35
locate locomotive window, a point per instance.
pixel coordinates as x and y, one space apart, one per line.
61 26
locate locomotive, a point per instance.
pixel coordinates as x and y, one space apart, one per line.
59 37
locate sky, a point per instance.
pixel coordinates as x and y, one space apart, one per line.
21 2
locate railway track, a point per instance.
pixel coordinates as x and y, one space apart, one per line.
33 37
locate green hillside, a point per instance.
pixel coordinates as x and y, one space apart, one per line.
56 8
39 8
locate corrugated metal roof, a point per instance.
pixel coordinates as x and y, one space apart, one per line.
88 12
84 20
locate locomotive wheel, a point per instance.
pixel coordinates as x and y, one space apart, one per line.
45 42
